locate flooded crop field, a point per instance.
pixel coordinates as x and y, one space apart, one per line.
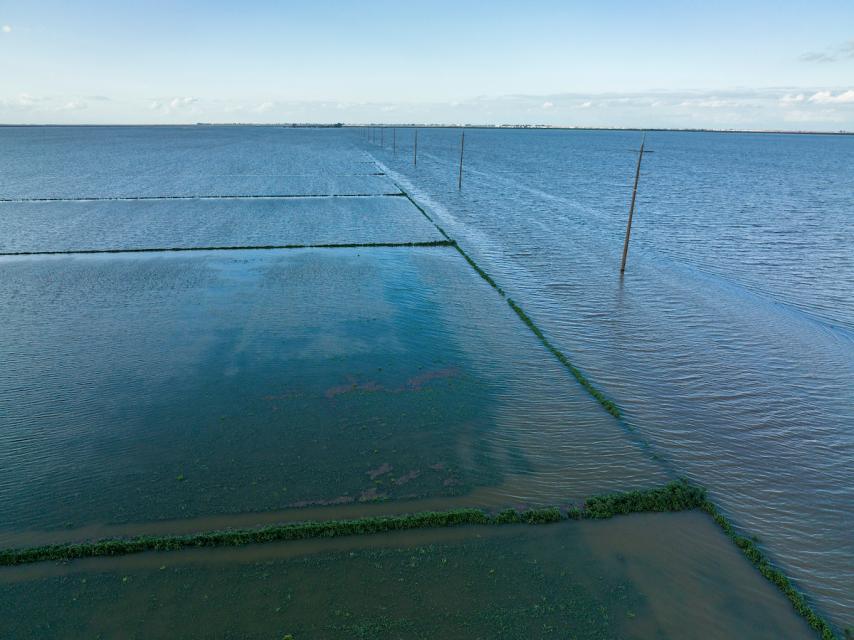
294 331
637 577
729 343
63 226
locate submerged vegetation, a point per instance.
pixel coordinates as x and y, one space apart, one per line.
679 495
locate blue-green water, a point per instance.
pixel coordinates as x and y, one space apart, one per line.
164 386
203 223
639 577
729 343
192 388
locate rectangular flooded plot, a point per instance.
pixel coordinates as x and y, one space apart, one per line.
637 577
167 224
173 387
76 162
77 187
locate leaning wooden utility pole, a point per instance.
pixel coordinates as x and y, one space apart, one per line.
632 207
462 147
415 150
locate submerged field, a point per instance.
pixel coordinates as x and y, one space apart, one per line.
250 327
639 577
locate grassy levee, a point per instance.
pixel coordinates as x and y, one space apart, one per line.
281 196
634 502
675 496
753 553
260 247
600 397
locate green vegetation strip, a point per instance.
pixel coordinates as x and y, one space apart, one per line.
609 406
282 196
634 502
600 397
353 245
676 496
752 552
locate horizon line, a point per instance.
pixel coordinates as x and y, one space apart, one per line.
413 125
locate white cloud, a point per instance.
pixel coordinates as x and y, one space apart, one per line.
179 103
807 108
711 103
7 28
73 105
812 116
834 54
827 97
173 105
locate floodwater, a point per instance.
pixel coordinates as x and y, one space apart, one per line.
642 576
174 391
28 227
212 388
729 343
222 382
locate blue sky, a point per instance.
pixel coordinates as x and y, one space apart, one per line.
759 64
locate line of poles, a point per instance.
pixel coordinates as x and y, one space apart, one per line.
372 136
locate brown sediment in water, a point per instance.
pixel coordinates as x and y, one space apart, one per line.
369 387
406 477
418 381
383 469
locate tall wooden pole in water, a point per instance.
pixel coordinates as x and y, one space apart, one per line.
632 207
415 150
462 147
